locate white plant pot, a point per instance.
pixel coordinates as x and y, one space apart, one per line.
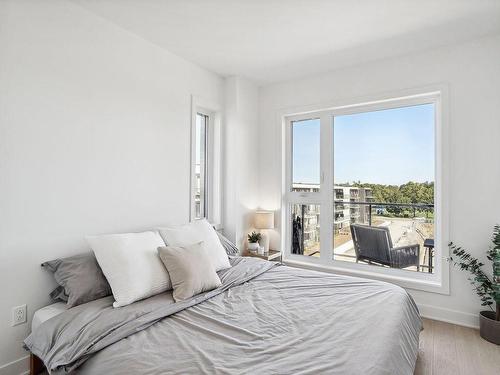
253 246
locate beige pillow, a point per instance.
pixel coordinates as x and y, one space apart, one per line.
198 231
190 268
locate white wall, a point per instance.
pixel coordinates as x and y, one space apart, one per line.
241 158
472 72
94 138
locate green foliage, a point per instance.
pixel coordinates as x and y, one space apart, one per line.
411 192
494 256
487 289
254 237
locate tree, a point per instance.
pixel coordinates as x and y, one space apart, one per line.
409 193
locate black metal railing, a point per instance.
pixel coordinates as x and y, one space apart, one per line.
374 205
428 243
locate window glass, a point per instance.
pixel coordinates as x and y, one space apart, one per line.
200 168
306 155
384 188
305 230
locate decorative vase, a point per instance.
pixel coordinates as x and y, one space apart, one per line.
253 246
261 250
489 328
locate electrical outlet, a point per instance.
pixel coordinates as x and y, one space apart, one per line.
19 315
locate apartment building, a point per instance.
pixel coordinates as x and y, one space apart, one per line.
350 206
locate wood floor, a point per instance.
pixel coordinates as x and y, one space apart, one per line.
450 349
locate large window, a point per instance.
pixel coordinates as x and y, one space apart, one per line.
371 169
205 200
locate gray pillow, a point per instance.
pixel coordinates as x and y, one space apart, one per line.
80 278
58 294
230 247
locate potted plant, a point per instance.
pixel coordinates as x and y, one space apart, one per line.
253 241
487 289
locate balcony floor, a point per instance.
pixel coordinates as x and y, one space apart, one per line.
404 231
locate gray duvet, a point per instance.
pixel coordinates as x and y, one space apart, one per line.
262 320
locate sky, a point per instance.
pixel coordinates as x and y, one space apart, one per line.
390 147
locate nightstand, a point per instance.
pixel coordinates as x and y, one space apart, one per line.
272 255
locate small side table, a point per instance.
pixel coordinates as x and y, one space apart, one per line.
272 255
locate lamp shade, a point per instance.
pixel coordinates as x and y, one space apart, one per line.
264 220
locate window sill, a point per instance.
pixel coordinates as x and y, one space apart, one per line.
421 281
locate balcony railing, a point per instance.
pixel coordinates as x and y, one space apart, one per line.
374 205
409 223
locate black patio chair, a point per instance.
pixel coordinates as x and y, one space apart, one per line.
374 245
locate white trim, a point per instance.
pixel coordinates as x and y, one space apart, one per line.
345 103
405 279
449 316
18 366
438 282
327 193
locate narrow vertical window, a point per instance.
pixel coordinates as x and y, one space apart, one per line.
200 168
206 162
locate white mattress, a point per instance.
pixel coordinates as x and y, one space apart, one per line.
47 312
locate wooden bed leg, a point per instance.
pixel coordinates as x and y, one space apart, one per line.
36 365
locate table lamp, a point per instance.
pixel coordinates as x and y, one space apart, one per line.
264 220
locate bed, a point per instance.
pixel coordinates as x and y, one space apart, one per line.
264 318
45 313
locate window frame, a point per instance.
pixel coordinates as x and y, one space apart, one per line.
438 281
204 166
213 170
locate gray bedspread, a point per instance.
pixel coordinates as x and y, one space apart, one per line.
262 320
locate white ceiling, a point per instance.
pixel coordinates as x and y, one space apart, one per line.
275 40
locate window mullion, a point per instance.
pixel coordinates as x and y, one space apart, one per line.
326 189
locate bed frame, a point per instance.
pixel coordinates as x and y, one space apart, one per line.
36 365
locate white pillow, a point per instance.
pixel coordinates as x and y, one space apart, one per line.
198 231
131 265
190 270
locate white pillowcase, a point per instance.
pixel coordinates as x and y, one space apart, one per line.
198 231
131 265
190 270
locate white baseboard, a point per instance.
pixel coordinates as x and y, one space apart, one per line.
17 367
449 316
